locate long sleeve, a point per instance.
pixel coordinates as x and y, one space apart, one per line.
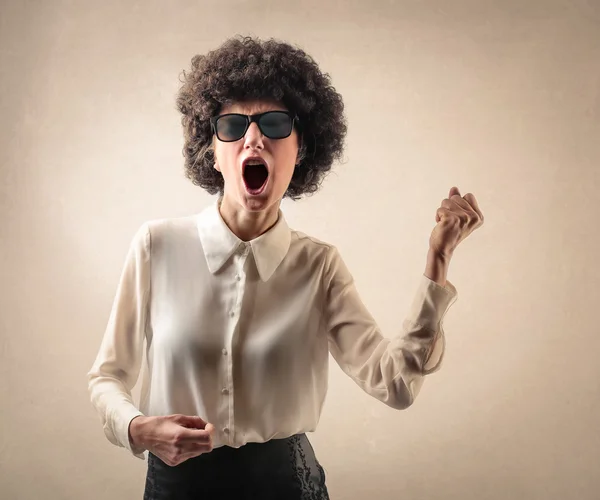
117 365
390 370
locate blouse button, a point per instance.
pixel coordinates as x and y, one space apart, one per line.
226 430
225 391
225 351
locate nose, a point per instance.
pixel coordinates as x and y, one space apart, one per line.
253 138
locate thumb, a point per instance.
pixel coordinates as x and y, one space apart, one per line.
192 421
454 190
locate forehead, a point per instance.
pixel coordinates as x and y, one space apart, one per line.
252 107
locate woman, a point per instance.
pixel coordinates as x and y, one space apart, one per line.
239 312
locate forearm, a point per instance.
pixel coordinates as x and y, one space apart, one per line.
437 267
390 370
136 432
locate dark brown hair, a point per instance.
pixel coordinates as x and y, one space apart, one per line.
245 68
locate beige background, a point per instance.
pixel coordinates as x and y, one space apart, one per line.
500 98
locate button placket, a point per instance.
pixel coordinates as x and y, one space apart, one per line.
239 277
234 315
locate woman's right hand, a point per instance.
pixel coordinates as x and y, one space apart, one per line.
172 438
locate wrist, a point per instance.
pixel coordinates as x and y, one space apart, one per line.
437 267
135 430
436 255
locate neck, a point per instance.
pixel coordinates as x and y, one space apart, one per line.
247 225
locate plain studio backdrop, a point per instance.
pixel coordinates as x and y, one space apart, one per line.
500 98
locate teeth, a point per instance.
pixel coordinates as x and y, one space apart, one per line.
255 162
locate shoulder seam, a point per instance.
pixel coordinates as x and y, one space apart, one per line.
303 236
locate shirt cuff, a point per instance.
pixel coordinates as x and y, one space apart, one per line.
431 303
123 418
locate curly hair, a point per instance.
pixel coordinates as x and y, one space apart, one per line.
246 68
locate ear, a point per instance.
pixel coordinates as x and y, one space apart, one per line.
212 150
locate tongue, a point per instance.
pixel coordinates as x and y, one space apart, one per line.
255 176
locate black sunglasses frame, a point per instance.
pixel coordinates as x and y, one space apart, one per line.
251 119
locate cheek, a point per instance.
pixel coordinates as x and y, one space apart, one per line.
225 159
289 154
285 169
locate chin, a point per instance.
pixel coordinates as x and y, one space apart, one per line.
259 197
258 203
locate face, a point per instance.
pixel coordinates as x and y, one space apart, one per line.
251 187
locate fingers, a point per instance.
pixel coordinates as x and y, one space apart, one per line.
200 436
193 429
458 200
210 428
473 202
181 437
442 213
193 422
468 203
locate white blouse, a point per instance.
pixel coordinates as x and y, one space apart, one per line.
239 333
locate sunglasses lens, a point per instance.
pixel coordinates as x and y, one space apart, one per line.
276 125
273 124
231 127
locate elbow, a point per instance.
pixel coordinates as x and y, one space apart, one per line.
401 395
93 376
400 403
90 377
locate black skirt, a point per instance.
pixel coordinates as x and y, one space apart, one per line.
285 469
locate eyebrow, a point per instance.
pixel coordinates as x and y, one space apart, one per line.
254 112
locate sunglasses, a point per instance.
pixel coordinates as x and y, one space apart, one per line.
272 124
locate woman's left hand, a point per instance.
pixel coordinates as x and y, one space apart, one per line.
457 217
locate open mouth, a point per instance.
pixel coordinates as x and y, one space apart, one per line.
255 176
